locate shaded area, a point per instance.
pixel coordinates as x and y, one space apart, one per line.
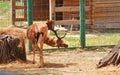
58 65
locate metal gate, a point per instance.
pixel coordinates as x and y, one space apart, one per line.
19 12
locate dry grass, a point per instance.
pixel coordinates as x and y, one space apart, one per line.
13 31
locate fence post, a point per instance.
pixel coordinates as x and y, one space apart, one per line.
52 12
13 14
30 17
82 22
51 9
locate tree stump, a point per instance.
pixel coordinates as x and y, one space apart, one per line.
113 57
12 48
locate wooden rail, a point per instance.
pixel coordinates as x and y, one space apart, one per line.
69 22
19 7
66 9
101 5
70 8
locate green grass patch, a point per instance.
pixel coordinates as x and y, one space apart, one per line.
5 13
104 39
72 41
4 6
93 40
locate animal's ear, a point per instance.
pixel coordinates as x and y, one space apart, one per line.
49 24
47 21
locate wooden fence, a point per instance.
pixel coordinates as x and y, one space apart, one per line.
106 13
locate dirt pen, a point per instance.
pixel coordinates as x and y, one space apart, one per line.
75 62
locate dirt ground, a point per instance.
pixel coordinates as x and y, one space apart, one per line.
72 62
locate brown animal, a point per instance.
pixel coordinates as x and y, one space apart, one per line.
38 35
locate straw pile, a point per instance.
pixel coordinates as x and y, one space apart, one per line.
12 44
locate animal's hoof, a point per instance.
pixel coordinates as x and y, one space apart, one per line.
33 62
40 66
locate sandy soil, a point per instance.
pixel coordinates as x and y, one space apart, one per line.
74 62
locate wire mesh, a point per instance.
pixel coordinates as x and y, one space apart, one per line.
41 10
15 12
102 18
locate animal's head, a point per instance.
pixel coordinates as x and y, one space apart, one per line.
60 42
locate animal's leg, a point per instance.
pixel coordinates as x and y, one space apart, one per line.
33 48
41 55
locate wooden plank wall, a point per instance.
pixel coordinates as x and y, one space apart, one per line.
88 12
106 13
74 3
70 15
